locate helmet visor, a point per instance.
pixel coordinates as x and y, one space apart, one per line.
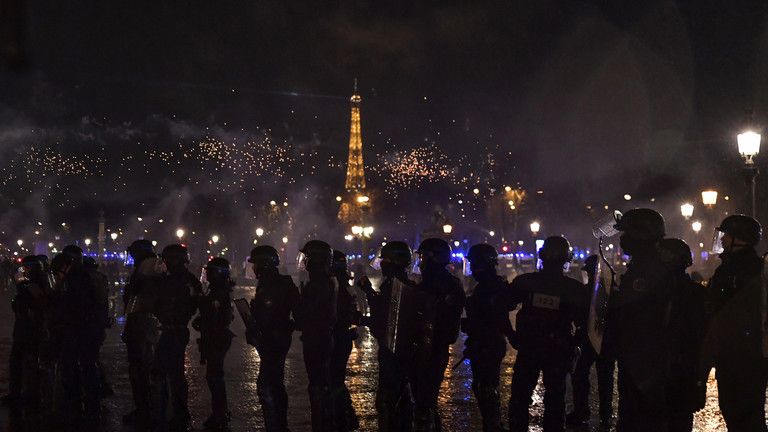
301 261
416 267
717 242
466 267
605 227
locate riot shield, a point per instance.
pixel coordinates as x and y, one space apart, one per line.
602 283
402 321
393 318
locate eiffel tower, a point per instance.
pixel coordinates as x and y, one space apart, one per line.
355 203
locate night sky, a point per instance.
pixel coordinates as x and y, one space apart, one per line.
585 101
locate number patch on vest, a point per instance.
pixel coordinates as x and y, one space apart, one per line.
546 301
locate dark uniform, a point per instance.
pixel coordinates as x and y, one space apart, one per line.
642 340
140 333
605 366
487 327
315 318
444 301
344 333
394 401
734 340
686 392
545 336
83 325
215 337
176 303
29 309
271 331
101 283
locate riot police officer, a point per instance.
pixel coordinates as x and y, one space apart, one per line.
83 326
215 337
270 333
394 401
641 339
344 333
141 328
605 366
735 340
444 302
102 291
552 310
315 318
176 303
487 327
28 332
686 392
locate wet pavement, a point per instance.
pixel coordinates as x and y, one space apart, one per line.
458 408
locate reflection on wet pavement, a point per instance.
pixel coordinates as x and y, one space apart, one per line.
457 404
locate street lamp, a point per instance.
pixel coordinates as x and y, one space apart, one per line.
215 239
357 230
709 197
696 226
749 147
113 236
285 240
367 231
259 232
686 210
19 242
535 228
179 233
447 229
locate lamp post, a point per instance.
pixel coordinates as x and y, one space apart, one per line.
535 228
709 197
180 233
749 147
696 227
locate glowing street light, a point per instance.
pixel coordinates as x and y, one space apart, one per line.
259 232
285 240
348 237
357 230
87 242
362 199
447 228
180 233
627 197
535 227
491 233
696 226
749 145
367 231
709 197
19 242
215 238
113 236
686 210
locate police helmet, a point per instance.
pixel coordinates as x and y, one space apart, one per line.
218 267
90 263
33 261
742 227
676 253
642 223
74 251
339 261
141 248
265 255
483 254
435 249
176 252
396 252
556 249
318 254
60 261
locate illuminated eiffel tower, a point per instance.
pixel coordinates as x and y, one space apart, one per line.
355 203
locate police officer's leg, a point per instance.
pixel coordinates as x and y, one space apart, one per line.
346 418
741 391
525 376
139 365
88 356
386 391
606 368
214 375
15 372
426 392
177 378
581 386
317 352
269 384
485 384
71 403
555 374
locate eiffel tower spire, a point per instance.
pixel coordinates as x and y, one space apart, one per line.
355 181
